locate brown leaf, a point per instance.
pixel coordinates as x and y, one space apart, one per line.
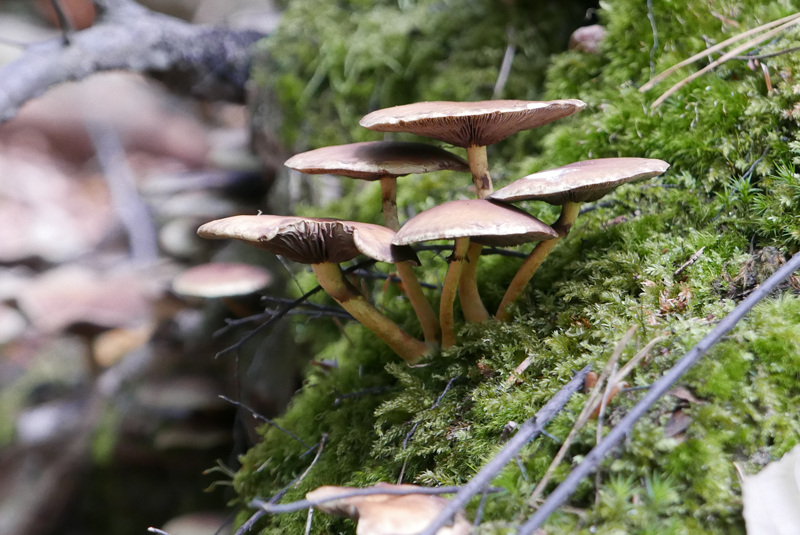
681 392
677 424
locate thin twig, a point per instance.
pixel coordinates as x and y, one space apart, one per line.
485 251
586 413
692 260
371 491
657 389
527 432
158 531
316 458
274 318
265 419
505 67
725 57
373 390
308 520
63 21
366 274
481 506
767 56
653 49
599 429
705 53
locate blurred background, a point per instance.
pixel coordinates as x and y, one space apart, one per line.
110 415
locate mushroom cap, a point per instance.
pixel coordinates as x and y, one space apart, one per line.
70 296
466 124
483 221
389 514
221 279
580 181
310 240
374 160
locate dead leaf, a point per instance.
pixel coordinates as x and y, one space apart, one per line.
681 392
387 514
677 425
771 498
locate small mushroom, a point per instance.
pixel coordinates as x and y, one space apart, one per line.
473 126
324 243
482 221
568 187
385 161
389 514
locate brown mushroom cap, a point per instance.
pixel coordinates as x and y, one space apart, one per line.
386 514
71 295
310 240
483 221
221 279
581 181
374 160
466 124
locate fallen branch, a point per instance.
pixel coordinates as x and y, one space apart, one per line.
527 432
657 389
201 61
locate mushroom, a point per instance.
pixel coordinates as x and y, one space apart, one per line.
385 161
388 514
473 126
484 222
222 280
568 187
324 243
85 303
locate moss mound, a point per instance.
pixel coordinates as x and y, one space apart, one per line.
732 190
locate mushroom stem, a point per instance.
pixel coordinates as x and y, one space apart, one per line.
332 280
569 212
425 313
389 198
479 166
471 304
449 289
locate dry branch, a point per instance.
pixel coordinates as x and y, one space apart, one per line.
202 61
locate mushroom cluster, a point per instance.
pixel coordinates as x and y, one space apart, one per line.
488 220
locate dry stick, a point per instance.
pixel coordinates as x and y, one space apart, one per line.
527 432
308 520
767 56
652 17
657 389
583 417
370 491
485 251
705 53
722 59
63 21
599 430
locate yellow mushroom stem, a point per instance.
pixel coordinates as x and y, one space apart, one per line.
449 290
479 166
471 304
569 212
332 280
423 309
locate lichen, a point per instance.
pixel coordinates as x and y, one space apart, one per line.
731 190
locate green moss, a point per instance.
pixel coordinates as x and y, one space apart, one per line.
732 189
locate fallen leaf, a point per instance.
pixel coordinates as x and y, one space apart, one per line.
681 392
388 514
677 424
771 498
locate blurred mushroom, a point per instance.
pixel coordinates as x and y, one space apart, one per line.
388 514
324 243
81 301
587 39
199 524
473 126
568 187
482 221
79 13
12 324
224 280
385 161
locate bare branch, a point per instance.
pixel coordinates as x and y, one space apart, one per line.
201 61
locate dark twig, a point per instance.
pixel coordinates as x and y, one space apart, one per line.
634 389
657 389
527 432
479 512
373 390
63 21
265 419
371 491
366 274
485 251
770 55
202 61
322 442
435 405
595 206
273 318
